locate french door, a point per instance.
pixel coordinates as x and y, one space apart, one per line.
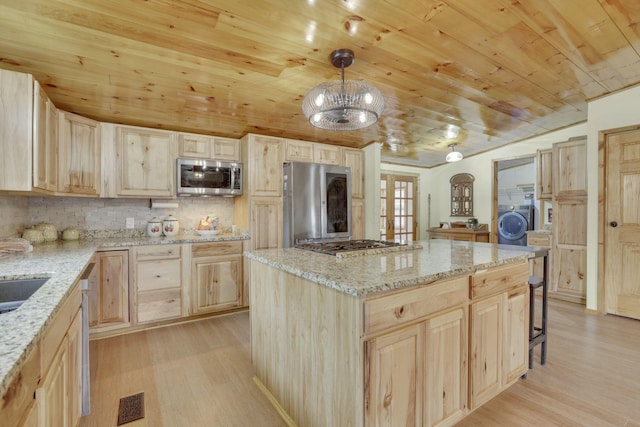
398 208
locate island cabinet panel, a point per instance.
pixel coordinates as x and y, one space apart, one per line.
390 311
499 279
499 344
306 348
394 378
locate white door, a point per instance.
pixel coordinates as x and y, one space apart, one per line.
622 234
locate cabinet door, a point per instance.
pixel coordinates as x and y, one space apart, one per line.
146 162
570 168
357 219
394 383
327 154
109 290
16 131
193 145
445 399
158 283
45 143
217 283
264 171
516 335
79 155
544 174
74 364
486 349
355 160
226 149
52 395
298 151
266 222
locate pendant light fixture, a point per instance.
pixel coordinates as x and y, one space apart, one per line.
453 156
343 105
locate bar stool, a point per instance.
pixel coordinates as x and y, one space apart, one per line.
538 334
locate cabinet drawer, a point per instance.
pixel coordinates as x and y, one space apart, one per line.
217 248
58 328
388 311
154 275
537 239
499 279
158 305
144 253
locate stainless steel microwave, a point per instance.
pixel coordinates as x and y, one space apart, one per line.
202 177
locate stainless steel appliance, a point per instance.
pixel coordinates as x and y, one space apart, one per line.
317 203
201 177
334 248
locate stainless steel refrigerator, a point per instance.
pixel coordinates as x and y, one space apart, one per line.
317 203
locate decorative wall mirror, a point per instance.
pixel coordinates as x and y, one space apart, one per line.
462 194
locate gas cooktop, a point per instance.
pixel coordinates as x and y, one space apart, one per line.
334 248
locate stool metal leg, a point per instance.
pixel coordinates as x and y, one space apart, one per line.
545 285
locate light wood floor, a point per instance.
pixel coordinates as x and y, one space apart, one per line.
200 374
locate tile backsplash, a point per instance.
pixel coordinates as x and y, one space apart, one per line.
88 214
13 211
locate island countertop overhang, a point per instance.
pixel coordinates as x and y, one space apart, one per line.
362 276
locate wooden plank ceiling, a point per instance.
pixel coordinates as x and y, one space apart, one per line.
501 70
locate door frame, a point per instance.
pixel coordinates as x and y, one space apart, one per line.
602 214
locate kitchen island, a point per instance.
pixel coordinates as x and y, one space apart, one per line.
417 336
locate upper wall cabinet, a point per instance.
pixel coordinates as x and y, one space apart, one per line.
78 155
145 162
570 168
354 159
45 141
545 174
208 147
16 131
263 170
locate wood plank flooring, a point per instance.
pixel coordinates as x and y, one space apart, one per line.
200 374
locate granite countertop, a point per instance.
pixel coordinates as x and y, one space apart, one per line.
62 262
425 261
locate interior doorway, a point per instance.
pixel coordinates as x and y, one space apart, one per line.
513 186
398 208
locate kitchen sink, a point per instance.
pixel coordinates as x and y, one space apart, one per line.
14 292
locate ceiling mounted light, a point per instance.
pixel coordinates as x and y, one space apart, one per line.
452 132
343 105
453 156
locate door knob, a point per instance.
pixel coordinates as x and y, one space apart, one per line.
613 224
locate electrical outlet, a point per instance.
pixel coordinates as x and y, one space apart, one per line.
131 223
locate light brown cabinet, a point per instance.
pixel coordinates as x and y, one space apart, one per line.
498 344
158 282
266 223
45 141
357 219
298 151
463 234
355 160
544 174
263 169
216 276
109 292
417 375
327 154
145 162
208 147
16 131
78 155
569 220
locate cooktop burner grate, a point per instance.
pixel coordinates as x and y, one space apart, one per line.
333 248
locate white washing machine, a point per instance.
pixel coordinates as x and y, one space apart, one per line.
513 224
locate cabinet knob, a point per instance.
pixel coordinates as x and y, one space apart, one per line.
613 224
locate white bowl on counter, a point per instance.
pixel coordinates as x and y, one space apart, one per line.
208 232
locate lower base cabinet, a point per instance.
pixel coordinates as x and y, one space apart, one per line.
216 276
417 375
158 282
499 345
